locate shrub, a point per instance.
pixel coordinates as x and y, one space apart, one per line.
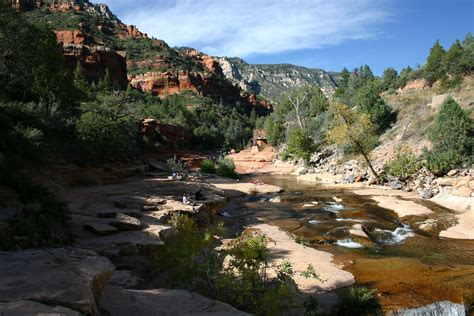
177 166
44 221
284 155
208 166
190 261
358 301
452 136
299 145
311 307
189 258
103 137
403 166
226 168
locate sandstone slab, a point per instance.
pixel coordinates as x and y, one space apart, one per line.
125 222
70 277
101 229
30 308
118 302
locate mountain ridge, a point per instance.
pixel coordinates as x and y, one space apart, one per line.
147 56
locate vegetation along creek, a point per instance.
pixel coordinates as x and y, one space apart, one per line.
236 158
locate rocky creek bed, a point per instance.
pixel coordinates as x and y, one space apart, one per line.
401 254
348 238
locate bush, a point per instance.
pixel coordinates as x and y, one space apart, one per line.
403 166
358 301
44 221
226 168
103 137
208 166
190 261
452 136
299 145
177 166
284 155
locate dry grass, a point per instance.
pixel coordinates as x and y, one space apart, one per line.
415 114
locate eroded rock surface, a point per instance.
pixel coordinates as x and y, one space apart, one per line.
70 277
117 302
30 308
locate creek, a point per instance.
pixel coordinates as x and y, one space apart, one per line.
409 266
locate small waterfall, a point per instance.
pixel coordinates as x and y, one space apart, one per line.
444 308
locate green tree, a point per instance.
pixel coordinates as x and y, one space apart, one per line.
80 82
406 74
299 144
433 69
390 78
17 41
369 101
351 127
343 83
105 84
452 136
51 77
467 58
452 60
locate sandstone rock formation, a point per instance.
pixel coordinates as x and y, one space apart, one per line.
95 60
69 277
32 308
68 37
117 301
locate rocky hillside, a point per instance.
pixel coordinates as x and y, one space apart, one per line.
271 81
92 35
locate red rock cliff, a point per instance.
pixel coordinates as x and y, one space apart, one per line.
94 59
210 83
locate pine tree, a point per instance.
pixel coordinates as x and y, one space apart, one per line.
467 59
80 82
452 136
343 83
390 77
433 69
105 85
452 60
369 101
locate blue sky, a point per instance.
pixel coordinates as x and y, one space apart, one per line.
327 34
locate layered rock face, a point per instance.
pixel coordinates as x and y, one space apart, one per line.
210 82
69 277
271 81
94 59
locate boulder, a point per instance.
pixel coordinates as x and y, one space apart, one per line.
445 182
99 228
462 182
124 279
125 222
70 277
30 308
452 172
464 191
426 194
117 301
112 213
396 185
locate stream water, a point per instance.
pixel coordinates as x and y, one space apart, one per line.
410 267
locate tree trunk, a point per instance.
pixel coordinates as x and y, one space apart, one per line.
362 152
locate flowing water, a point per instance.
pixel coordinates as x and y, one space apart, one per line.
410 267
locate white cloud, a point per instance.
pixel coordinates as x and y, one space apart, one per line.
243 28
